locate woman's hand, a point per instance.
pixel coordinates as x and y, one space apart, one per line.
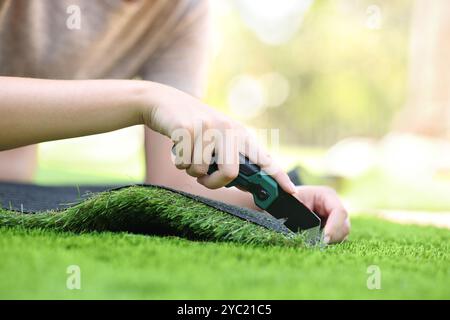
198 131
325 202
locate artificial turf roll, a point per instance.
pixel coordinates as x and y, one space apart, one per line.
141 209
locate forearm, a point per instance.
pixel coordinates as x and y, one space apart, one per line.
188 184
231 196
34 110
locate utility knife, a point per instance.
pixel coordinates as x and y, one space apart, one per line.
269 196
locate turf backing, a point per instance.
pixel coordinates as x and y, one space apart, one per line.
414 263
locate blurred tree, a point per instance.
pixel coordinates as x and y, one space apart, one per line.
345 66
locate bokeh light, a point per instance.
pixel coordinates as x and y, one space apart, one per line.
276 89
274 22
246 97
351 157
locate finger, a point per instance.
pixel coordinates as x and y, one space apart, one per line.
306 195
228 166
183 152
337 225
269 166
201 158
283 180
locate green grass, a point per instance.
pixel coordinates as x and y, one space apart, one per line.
236 259
414 263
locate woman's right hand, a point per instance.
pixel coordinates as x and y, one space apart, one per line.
198 131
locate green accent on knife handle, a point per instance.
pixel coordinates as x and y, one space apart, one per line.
251 178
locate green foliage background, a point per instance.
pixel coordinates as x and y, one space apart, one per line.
345 78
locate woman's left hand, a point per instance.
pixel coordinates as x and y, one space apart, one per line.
325 202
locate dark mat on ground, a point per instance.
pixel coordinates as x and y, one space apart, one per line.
27 198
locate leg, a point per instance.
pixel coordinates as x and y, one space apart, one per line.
18 165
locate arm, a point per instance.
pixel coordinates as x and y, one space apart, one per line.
33 110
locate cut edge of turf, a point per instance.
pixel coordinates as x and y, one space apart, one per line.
150 210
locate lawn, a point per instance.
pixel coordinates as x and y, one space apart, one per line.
224 258
414 263
251 262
